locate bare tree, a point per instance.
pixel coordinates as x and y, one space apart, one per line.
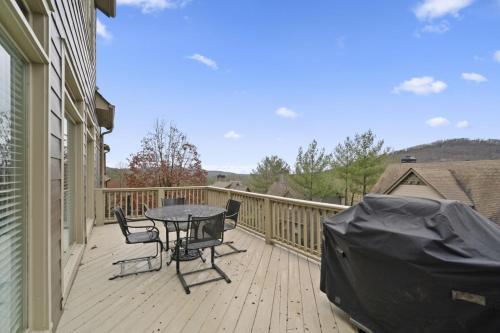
166 159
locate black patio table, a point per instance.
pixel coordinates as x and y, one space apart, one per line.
179 216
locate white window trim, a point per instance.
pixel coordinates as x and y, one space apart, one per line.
31 42
73 106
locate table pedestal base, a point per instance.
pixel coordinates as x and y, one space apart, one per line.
186 256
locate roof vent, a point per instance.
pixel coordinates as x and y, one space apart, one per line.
409 159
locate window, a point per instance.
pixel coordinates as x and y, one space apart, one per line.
68 233
12 189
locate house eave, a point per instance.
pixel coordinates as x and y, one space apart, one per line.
105 112
108 7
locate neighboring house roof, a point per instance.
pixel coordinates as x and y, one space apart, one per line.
475 183
283 189
232 185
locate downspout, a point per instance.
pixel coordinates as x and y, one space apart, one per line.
103 159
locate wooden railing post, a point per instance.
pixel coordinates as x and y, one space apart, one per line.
269 221
161 196
99 206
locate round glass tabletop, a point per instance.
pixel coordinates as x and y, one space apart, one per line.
180 213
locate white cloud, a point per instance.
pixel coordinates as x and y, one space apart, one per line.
431 9
101 30
496 56
423 85
463 124
204 60
232 135
437 122
439 28
286 113
475 77
149 6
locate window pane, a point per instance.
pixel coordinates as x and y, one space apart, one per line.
68 236
12 197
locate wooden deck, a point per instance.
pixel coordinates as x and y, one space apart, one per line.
272 290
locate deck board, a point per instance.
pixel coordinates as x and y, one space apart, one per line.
272 290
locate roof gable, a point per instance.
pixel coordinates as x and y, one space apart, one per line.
476 183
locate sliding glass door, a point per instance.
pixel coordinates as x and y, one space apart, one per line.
12 189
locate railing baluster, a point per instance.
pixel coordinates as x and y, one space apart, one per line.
300 223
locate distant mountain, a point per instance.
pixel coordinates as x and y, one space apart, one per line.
215 173
452 150
115 174
212 176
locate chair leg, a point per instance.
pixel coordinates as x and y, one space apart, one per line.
222 276
201 256
214 266
183 282
178 270
234 250
159 249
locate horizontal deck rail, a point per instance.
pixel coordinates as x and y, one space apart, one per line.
292 223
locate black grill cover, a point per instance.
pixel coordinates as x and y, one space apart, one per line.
400 264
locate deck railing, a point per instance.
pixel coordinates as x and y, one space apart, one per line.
295 224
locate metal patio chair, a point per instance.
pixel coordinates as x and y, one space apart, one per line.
150 235
202 233
230 223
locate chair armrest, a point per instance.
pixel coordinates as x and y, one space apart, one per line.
232 215
129 219
140 220
147 227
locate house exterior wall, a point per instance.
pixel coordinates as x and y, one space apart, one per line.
421 191
56 39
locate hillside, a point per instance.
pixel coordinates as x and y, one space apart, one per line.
452 150
115 174
212 176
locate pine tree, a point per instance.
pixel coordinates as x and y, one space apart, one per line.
311 176
268 171
369 158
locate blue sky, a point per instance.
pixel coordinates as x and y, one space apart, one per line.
249 78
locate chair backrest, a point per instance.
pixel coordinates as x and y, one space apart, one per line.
173 201
233 210
203 229
122 221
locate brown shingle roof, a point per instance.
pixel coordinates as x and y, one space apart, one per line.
283 189
476 183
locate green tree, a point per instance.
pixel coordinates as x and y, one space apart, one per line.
343 160
311 176
369 157
268 171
